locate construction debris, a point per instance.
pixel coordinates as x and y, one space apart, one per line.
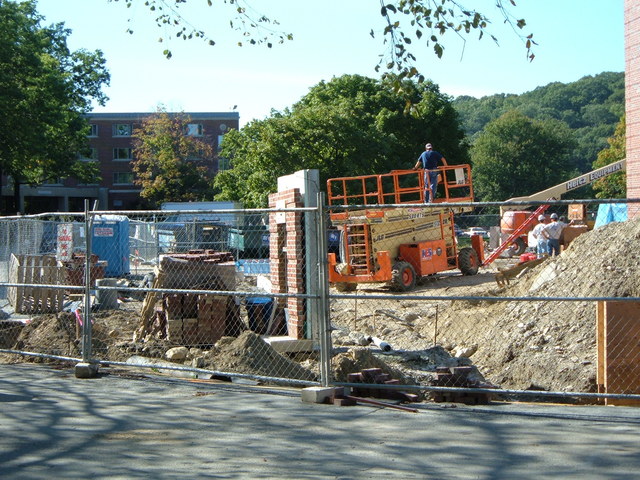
377 376
187 318
459 377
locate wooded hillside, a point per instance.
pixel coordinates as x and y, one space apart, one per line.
591 107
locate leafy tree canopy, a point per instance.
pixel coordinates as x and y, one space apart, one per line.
516 156
46 89
169 164
404 23
613 186
591 108
351 125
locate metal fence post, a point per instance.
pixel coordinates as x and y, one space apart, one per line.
156 238
86 321
324 322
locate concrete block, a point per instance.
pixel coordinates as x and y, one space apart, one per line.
289 344
86 370
321 394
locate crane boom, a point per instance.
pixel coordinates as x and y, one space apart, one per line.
555 192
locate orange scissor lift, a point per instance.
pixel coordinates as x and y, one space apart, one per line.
399 244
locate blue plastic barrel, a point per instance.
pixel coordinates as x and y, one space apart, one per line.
259 313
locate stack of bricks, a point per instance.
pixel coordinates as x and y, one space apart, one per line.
199 269
377 376
458 377
287 257
195 319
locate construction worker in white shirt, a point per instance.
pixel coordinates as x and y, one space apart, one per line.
553 232
541 237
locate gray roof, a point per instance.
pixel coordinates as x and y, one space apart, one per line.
139 115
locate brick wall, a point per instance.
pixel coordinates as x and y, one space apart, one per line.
632 100
287 257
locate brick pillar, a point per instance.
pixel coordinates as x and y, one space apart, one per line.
632 101
287 257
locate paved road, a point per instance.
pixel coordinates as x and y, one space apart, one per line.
55 426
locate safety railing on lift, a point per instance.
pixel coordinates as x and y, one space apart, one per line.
401 187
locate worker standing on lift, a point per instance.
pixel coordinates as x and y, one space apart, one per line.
428 160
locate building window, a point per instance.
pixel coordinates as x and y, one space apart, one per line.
89 154
123 178
93 130
223 164
220 139
122 154
122 130
195 129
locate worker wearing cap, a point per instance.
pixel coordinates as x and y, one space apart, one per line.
428 160
553 231
541 237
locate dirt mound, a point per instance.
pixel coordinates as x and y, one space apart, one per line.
551 345
60 334
56 334
249 354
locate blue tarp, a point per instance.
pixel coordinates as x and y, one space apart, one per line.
611 212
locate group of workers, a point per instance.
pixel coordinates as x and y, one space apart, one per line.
547 234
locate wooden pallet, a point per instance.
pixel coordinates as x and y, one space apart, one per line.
31 270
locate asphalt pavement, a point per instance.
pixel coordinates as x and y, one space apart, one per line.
125 425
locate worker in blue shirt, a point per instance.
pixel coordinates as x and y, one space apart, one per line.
428 160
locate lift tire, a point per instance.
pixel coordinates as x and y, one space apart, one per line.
519 246
346 286
468 262
403 277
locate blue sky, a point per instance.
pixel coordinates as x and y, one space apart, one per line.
331 38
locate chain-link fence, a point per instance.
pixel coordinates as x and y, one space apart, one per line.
186 291
477 301
452 302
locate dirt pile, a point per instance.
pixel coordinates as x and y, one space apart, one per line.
551 345
249 354
60 334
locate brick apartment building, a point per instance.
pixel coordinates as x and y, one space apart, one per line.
111 145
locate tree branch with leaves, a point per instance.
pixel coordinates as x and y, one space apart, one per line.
406 25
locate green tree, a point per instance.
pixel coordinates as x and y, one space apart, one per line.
516 156
46 89
352 125
613 186
170 164
403 24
